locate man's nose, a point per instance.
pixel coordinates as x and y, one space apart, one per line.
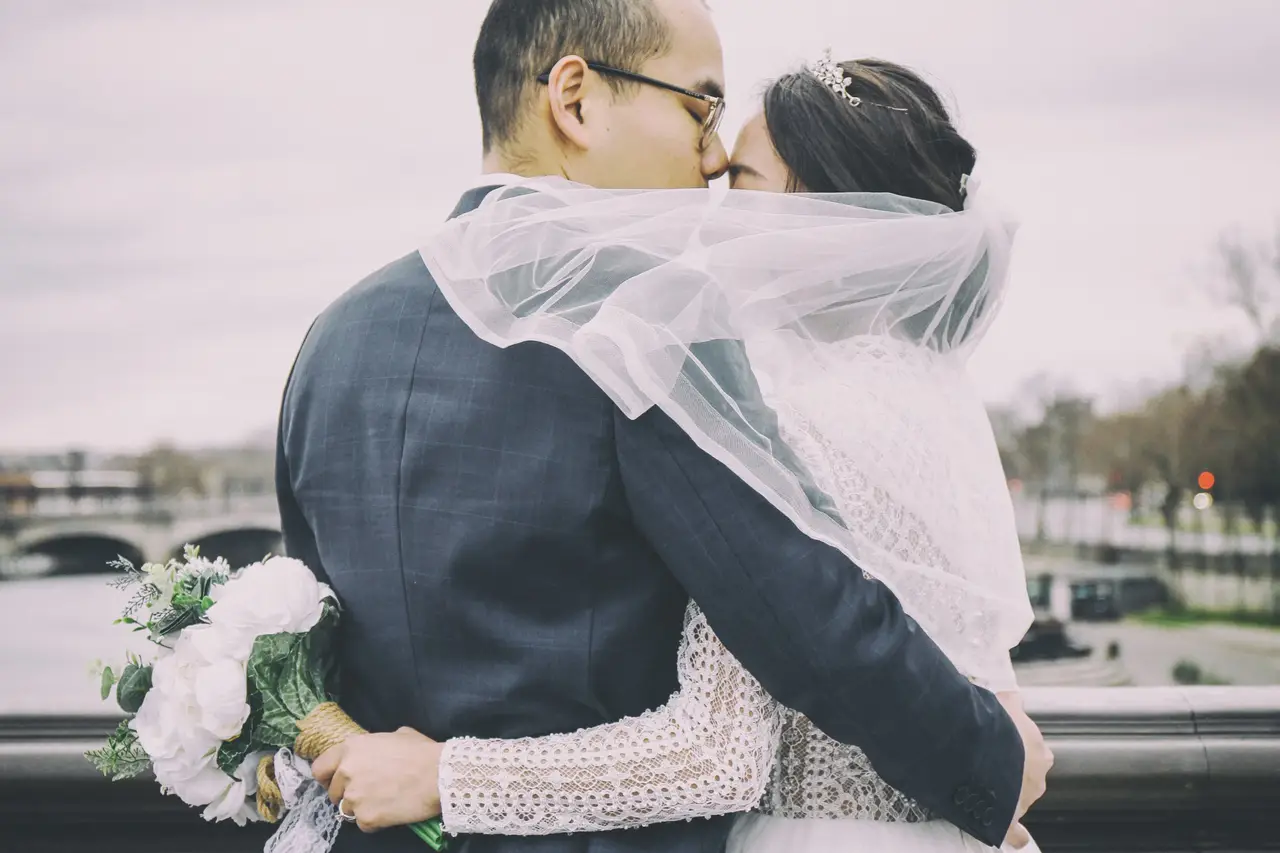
715 159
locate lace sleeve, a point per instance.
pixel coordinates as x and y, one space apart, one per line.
707 752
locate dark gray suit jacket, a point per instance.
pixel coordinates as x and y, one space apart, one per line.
514 558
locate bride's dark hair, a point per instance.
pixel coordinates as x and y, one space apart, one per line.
831 146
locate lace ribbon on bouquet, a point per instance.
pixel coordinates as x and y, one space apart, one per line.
310 823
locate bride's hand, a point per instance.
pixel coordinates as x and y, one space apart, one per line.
384 779
1017 839
1020 840
1038 759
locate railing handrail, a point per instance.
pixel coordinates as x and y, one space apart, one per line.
1160 748
1119 711
1063 711
1164 769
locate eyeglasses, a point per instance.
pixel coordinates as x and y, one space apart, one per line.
710 124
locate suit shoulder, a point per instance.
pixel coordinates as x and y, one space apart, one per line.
394 294
401 280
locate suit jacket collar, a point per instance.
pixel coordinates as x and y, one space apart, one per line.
484 185
471 199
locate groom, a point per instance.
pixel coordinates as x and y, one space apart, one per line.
514 556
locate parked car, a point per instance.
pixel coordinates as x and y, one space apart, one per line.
1047 638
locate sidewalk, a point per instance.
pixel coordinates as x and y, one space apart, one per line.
1244 637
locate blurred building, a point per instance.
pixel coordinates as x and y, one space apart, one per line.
17 493
67 484
87 484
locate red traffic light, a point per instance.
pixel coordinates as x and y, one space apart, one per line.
1206 480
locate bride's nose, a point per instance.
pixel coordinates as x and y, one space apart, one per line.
715 159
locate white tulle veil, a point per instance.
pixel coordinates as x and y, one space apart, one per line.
815 345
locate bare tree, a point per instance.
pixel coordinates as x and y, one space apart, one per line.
1248 279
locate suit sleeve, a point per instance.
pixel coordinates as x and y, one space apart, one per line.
820 636
299 540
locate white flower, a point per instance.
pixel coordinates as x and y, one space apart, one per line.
168 721
233 802
162 577
221 697
197 783
278 596
197 700
188 656
220 642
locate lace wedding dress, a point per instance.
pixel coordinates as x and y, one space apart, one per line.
722 744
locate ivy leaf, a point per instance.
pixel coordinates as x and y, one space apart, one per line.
135 681
267 665
289 675
232 754
108 681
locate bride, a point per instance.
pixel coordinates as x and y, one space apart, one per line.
845 277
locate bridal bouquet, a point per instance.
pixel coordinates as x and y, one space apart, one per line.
238 696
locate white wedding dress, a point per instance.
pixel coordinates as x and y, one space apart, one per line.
721 744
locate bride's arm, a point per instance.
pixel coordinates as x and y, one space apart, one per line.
707 752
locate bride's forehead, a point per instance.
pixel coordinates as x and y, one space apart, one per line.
753 136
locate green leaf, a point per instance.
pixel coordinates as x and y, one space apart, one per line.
184 601
232 754
108 681
322 654
172 620
274 734
122 757
267 667
289 675
135 681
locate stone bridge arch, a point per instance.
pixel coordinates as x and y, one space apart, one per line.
241 538
238 545
80 552
146 537
83 544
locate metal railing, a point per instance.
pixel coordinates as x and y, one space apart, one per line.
1160 769
1138 769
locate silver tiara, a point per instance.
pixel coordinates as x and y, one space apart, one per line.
831 75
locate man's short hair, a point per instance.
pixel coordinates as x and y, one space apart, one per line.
521 39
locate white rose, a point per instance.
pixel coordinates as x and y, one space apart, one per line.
278 596
222 698
168 721
157 723
197 700
234 803
197 783
231 807
216 643
178 674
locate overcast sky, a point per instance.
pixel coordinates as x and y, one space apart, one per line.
185 185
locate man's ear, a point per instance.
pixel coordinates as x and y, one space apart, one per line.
568 86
